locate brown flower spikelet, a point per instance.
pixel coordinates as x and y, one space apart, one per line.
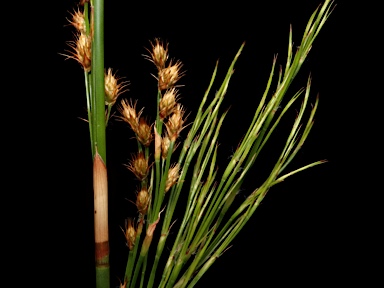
175 123
170 75
113 87
130 233
167 103
139 166
144 134
165 142
173 176
142 201
81 51
128 111
158 55
78 21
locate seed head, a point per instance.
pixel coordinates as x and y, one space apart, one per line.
173 176
158 55
170 75
78 21
130 233
128 111
142 201
139 166
167 103
175 123
113 87
165 142
81 51
144 134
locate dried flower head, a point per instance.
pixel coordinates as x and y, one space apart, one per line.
113 87
139 166
165 143
158 55
143 133
129 115
130 233
167 103
175 123
78 21
170 75
81 51
142 201
173 176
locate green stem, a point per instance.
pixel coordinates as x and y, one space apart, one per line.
159 250
108 114
99 145
142 280
137 269
98 79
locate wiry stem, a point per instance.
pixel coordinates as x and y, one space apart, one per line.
99 143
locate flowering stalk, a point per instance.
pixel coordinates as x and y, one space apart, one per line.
102 89
99 144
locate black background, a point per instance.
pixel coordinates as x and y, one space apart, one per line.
297 236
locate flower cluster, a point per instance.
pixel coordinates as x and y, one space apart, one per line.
138 124
167 75
81 51
170 115
113 87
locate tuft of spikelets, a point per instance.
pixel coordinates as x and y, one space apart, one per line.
168 103
139 166
175 123
80 48
167 76
130 233
114 87
143 133
78 21
128 111
158 55
173 176
165 143
142 201
170 75
81 51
